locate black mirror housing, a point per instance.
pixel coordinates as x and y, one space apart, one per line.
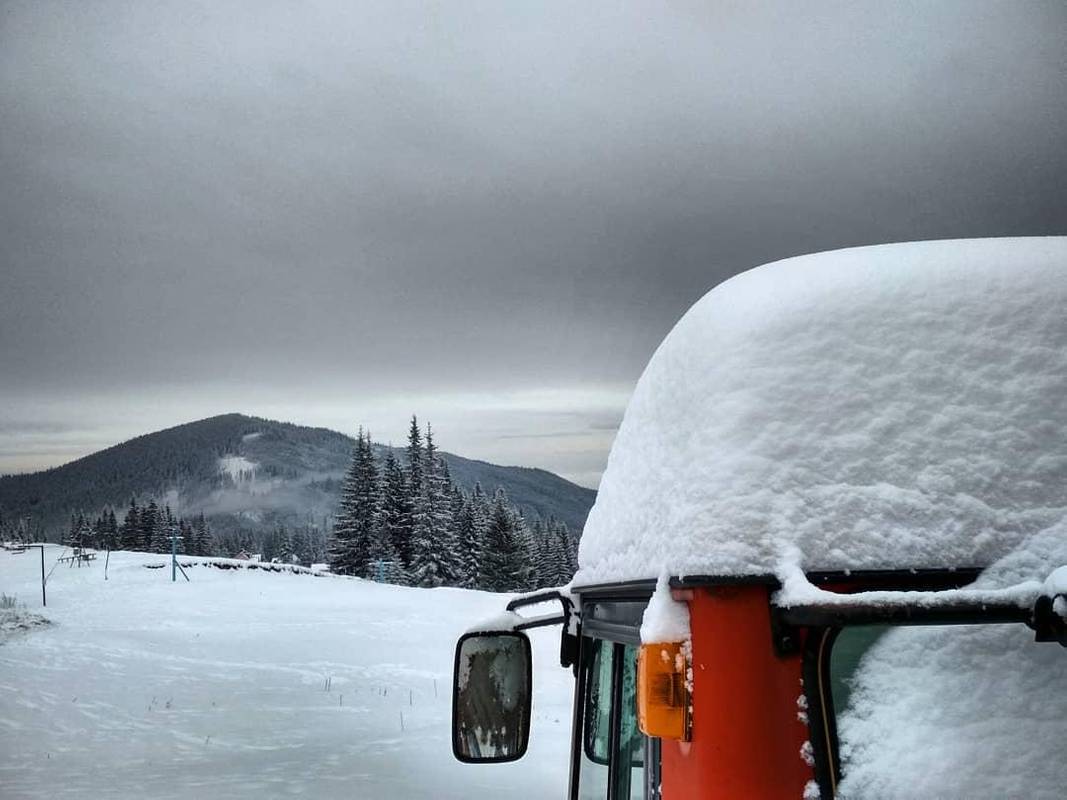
492 685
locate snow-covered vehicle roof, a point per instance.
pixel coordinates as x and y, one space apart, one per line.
890 407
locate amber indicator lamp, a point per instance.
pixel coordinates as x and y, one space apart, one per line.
663 707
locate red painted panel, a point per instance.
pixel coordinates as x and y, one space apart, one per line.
746 737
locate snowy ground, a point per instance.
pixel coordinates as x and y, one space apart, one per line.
217 688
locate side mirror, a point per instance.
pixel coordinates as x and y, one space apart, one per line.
491 693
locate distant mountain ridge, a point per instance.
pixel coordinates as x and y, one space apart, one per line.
252 473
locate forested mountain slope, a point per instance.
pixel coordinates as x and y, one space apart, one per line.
251 473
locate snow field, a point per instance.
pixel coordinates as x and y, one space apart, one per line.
250 684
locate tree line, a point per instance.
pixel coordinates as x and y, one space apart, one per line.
148 529
408 523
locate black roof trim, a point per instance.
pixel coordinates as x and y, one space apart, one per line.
868 579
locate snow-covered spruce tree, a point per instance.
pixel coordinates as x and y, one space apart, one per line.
149 520
83 535
130 532
283 545
339 554
111 530
545 568
202 543
457 502
474 543
414 465
528 575
505 554
306 544
565 552
468 545
160 543
396 509
383 563
357 519
471 524
185 538
435 557
71 531
555 567
102 530
168 528
314 543
571 542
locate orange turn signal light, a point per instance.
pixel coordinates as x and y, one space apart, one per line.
663 706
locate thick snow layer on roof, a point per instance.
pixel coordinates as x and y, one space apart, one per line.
971 711
881 407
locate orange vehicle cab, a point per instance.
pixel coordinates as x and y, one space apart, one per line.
827 554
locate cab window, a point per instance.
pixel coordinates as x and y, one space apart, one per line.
614 751
596 735
847 650
835 656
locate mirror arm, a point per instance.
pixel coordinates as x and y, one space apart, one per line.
535 598
541 622
570 620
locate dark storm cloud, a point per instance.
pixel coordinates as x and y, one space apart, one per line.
342 212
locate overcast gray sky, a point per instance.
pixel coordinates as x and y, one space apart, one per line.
339 213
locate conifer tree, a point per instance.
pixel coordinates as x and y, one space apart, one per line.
414 465
480 510
302 545
111 530
383 563
185 538
546 567
83 533
340 549
130 533
471 524
202 545
526 568
358 519
96 539
149 527
166 528
567 548
284 545
396 510
435 557
505 555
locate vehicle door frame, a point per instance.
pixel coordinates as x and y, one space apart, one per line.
611 614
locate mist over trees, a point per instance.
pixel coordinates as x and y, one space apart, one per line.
408 523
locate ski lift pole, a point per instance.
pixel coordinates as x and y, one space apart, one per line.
174 565
44 599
